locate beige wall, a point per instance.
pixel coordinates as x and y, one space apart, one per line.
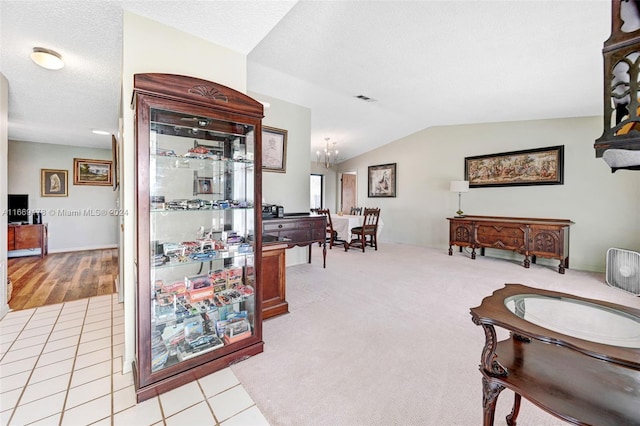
604 206
152 47
290 189
75 222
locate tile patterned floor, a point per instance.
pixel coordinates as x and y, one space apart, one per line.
62 365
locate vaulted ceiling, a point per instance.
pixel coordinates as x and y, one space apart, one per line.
423 63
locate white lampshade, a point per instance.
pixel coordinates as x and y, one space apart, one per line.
47 58
459 186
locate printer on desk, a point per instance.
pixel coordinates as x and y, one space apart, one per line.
272 210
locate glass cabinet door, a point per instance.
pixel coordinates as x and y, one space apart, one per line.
201 228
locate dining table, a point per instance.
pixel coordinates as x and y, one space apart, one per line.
342 224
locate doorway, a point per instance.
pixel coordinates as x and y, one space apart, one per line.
348 191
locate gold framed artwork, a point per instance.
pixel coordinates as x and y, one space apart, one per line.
54 183
92 172
274 150
540 166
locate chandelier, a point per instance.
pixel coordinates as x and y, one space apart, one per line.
329 157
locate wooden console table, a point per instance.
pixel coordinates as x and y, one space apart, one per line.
531 237
578 359
297 230
279 234
25 237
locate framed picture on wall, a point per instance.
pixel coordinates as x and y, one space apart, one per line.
274 150
92 172
54 183
382 180
539 166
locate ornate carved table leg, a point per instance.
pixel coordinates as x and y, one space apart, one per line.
511 418
490 393
561 268
527 263
450 250
473 252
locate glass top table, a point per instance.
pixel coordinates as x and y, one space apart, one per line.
576 358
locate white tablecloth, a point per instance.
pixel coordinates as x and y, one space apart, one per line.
343 224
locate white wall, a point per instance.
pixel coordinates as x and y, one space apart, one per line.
604 206
149 47
290 189
75 222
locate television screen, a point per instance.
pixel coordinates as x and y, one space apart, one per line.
18 207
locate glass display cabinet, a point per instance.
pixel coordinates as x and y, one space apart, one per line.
198 181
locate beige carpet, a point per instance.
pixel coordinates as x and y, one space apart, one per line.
385 338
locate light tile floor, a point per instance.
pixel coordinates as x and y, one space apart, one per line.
62 365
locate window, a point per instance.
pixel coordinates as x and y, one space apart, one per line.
316 201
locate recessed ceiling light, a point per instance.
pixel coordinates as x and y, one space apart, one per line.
100 132
47 58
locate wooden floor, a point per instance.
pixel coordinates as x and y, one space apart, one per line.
61 277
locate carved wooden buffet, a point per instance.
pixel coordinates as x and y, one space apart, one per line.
532 237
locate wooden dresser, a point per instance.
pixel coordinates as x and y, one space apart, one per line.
531 237
25 237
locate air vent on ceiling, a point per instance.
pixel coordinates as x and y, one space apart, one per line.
365 98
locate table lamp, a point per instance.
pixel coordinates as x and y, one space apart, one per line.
459 186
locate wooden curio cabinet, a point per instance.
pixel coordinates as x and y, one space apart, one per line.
198 277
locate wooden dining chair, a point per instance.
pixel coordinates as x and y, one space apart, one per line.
367 234
356 211
332 235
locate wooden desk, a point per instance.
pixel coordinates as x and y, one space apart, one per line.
531 237
296 230
25 237
564 364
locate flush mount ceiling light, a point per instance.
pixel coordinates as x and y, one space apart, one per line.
47 58
100 132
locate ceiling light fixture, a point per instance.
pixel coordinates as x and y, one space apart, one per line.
329 157
47 58
100 132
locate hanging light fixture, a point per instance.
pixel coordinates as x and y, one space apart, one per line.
329 157
47 58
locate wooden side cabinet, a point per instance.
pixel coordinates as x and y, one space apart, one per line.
530 237
274 277
28 237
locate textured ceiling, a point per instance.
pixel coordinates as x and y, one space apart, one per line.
426 63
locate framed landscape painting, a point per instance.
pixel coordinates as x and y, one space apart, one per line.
540 166
92 172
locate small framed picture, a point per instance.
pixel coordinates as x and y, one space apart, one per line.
92 172
54 183
274 150
203 185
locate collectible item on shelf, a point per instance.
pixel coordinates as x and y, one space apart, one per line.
237 330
